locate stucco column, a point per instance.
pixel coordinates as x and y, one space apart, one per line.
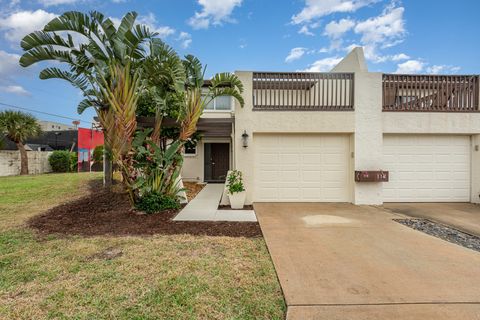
244 159
368 136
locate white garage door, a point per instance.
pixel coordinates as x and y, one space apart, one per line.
427 168
301 167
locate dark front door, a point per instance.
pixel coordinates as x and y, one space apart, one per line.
217 161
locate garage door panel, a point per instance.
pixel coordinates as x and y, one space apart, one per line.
310 167
427 168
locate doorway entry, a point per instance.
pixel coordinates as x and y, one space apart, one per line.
216 161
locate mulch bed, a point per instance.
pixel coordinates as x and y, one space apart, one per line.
106 212
443 232
245 207
192 189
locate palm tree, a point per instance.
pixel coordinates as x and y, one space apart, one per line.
101 60
19 126
196 97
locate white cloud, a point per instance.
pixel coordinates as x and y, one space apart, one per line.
10 68
410 66
15 89
185 38
151 22
295 54
323 65
9 65
19 24
315 9
335 29
385 28
400 56
48 3
445 69
213 12
306 31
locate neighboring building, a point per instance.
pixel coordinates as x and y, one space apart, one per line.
88 139
48 141
55 126
302 136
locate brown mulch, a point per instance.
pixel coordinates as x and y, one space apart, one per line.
193 189
104 212
245 207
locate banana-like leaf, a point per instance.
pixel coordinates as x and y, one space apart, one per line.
41 38
78 81
44 53
85 104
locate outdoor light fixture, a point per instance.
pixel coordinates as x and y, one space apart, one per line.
245 138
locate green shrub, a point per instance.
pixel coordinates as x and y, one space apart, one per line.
154 202
63 161
73 162
235 182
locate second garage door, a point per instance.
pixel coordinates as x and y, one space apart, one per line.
427 168
301 167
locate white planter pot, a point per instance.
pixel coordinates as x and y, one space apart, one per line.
237 200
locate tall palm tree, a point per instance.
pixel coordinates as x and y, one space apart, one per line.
101 60
197 97
18 127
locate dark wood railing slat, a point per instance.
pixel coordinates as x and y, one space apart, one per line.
431 93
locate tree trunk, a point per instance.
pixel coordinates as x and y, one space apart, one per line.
23 158
107 168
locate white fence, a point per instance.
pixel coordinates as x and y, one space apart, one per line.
37 162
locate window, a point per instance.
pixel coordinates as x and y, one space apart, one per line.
190 149
222 103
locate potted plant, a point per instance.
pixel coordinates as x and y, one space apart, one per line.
236 189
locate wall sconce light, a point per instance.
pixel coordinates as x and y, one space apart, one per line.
245 139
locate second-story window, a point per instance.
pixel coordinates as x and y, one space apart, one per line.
222 103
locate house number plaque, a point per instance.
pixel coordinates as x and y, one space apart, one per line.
371 176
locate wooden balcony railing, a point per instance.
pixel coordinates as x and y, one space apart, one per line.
300 91
430 93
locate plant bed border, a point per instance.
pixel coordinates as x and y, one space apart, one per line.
108 213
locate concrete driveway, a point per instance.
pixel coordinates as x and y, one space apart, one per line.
462 216
340 261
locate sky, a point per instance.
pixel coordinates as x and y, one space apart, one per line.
409 36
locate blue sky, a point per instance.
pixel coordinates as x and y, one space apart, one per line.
409 36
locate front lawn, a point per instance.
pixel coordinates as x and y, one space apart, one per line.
123 277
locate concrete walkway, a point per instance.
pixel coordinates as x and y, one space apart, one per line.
204 207
462 216
340 261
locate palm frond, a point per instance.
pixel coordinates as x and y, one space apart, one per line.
78 81
41 38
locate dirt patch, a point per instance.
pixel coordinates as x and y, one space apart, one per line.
225 207
105 212
193 189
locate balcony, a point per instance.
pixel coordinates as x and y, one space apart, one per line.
430 93
301 91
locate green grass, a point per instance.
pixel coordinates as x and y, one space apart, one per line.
159 277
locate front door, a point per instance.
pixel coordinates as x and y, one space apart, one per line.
217 161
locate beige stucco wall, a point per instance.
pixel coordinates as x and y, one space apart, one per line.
272 121
431 122
368 137
37 162
192 169
367 125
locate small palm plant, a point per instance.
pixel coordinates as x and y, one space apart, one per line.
18 127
